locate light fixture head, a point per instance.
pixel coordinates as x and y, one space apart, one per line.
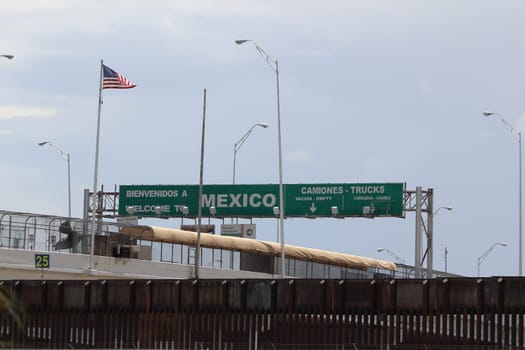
380 249
263 125
43 143
240 42
488 114
9 57
504 244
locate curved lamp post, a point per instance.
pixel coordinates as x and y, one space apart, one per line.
392 254
484 255
237 146
446 250
274 65
438 209
518 134
66 157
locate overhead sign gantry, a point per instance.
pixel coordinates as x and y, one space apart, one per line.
312 200
301 200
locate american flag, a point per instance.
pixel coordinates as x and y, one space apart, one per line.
113 80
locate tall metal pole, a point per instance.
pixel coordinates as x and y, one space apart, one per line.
417 255
521 211
234 158
430 233
67 158
274 65
69 183
520 214
484 255
95 177
446 256
199 210
430 204
281 194
237 146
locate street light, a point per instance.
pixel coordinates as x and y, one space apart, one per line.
438 209
446 250
237 146
66 157
484 255
274 65
518 133
392 254
9 57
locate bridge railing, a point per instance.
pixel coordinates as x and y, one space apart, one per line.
41 232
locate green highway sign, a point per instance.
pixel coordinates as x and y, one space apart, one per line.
178 201
344 200
300 200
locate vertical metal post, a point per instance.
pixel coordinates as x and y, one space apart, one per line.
199 209
430 233
69 183
446 256
281 192
234 160
67 157
521 212
417 263
85 223
95 196
275 68
237 146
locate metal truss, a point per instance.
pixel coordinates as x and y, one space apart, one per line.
419 201
422 202
105 203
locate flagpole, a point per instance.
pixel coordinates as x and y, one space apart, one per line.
199 209
95 196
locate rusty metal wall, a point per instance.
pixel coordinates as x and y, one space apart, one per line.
459 313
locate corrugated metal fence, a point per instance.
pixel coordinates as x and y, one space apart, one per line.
459 313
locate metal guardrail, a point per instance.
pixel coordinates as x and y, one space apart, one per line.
40 232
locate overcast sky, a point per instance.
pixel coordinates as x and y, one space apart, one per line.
381 91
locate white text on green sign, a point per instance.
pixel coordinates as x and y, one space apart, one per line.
300 200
